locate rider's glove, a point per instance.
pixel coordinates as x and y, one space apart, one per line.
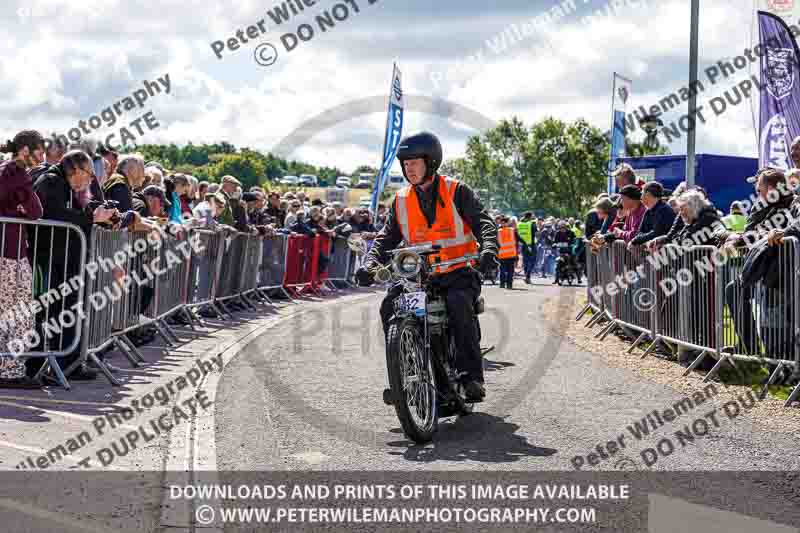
364 277
488 263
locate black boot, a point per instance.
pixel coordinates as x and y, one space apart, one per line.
474 391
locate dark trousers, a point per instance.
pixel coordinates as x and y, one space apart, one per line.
528 259
740 302
462 289
778 340
507 271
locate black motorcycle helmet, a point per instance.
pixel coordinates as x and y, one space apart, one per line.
421 146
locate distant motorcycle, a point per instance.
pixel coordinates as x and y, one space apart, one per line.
567 268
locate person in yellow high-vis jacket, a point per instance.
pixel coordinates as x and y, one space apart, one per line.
526 230
736 220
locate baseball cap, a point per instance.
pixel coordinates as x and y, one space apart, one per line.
231 180
773 175
753 179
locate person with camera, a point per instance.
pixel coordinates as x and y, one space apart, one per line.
439 210
54 254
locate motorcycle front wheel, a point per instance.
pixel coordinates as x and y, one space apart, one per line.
411 378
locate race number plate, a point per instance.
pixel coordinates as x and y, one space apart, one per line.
412 303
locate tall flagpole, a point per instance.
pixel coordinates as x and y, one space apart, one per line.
609 186
691 137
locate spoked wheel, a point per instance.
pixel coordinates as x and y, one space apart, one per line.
412 381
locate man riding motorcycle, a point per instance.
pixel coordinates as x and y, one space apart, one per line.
442 211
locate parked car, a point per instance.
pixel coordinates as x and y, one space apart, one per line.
396 181
365 201
307 180
289 180
343 181
364 181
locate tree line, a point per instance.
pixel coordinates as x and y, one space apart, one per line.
552 166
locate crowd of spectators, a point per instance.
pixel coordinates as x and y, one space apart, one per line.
646 216
86 184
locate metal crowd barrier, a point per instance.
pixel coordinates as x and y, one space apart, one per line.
273 264
340 262
119 281
234 250
759 321
206 265
695 298
251 266
594 303
631 302
44 316
112 311
171 272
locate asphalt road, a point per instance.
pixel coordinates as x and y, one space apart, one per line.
306 395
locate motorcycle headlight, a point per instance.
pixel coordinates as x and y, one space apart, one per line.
407 265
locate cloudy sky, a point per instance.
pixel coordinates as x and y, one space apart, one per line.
64 61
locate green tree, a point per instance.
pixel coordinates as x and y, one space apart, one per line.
245 167
552 165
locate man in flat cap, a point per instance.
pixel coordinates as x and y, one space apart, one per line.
235 213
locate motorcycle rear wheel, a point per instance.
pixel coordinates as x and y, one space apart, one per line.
412 381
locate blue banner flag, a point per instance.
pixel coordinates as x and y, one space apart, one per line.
394 130
621 92
779 112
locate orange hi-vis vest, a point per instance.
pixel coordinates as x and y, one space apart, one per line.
507 243
449 230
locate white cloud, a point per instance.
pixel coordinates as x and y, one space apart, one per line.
72 59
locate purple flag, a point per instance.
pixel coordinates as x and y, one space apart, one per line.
779 120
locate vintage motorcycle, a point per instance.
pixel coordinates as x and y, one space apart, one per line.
420 348
567 268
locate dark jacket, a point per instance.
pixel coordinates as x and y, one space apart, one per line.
677 227
58 203
608 223
703 231
469 207
363 227
259 217
303 228
759 265
117 189
16 189
762 212
240 221
593 224
546 236
564 235
279 215
657 221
